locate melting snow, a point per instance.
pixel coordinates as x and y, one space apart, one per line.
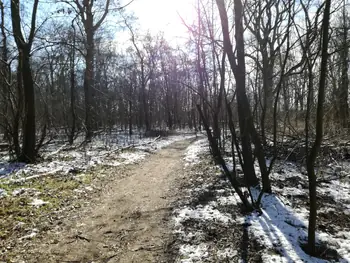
194 150
2 193
64 161
227 254
37 202
281 228
132 157
207 212
193 253
228 200
31 235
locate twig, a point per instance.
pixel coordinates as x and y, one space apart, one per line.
82 238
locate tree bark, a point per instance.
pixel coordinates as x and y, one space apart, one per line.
319 133
72 99
28 153
29 136
343 89
88 84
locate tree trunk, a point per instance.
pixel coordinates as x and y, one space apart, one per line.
130 117
29 139
5 71
72 103
319 133
267 110
343 89
244 112
88 83
28 153
218 159
18 111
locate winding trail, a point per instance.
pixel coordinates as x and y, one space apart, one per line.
130 220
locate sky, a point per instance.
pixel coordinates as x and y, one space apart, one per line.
164 16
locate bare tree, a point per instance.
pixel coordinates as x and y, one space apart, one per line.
144 80
265 20
247 129
85 9
24 46
343 47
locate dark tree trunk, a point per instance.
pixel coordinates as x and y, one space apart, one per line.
130 117
88 83
86 13
28 153
343 89
18 111
319 133
4 69
29 139
72 91
72 104
267 109
145 114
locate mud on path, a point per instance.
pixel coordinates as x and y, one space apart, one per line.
129 222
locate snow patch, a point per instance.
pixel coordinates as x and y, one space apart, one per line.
226 254
132 157
281 228
228 200
61 160
193 253
38 202
33 234
193 152
204 213
3 193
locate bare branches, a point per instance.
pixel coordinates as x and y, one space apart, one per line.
33 23
105 12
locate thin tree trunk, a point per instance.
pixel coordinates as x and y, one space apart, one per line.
319 133
88 84
218 158
343 89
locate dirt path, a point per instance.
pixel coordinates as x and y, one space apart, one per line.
128 223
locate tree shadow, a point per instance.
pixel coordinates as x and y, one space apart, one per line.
245 243
280 230
7 168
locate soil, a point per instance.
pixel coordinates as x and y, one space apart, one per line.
127 222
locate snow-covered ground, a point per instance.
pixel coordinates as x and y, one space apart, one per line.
194 151
200 216
63 160
283 224
279 230
191 220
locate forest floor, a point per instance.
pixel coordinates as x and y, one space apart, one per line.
103 214
211 226
126 223
163 201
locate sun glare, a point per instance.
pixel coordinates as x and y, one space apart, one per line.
164 16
